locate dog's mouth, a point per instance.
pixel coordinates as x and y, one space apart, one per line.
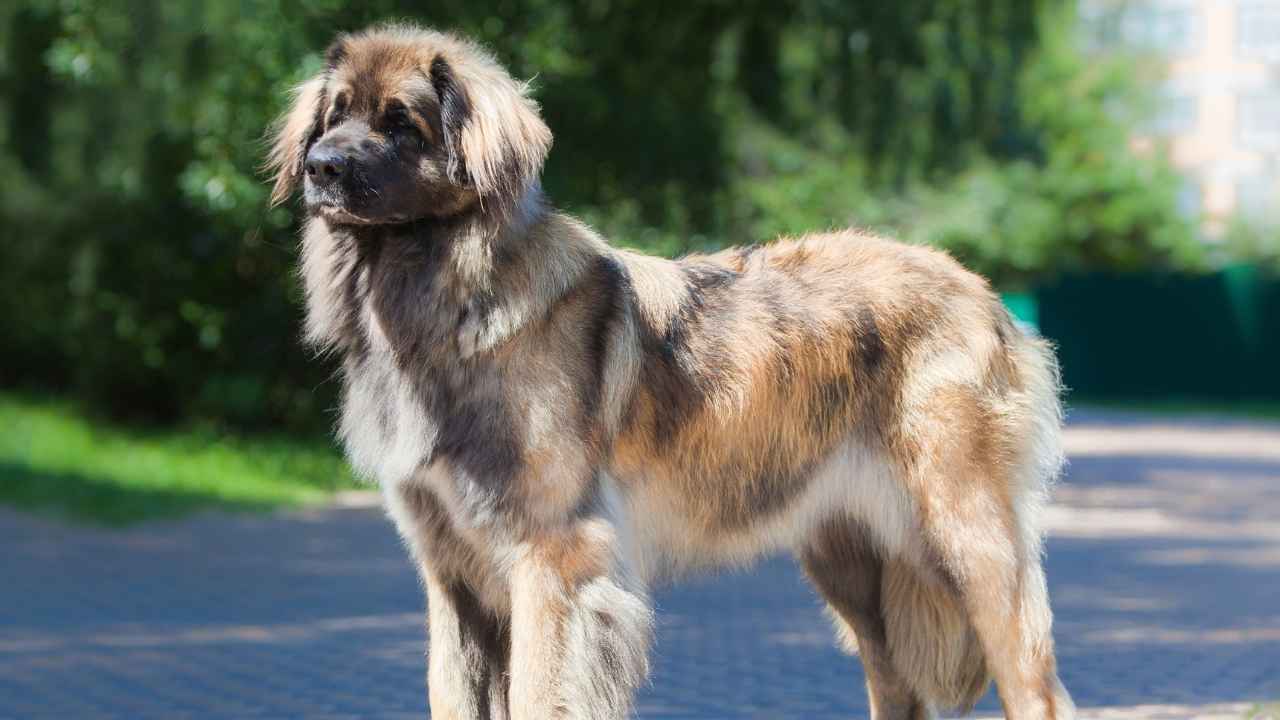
337 215
336 204
340 215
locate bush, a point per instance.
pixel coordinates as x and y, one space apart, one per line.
1256 242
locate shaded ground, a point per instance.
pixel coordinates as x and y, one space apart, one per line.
1163 567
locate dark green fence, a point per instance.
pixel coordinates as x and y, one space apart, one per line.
1167 335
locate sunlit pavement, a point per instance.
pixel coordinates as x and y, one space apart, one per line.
1164 567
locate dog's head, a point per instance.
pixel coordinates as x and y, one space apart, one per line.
405 124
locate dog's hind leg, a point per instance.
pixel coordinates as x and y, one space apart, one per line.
848 571
979 497
1002 587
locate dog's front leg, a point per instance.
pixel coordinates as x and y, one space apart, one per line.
468 641
467 654
580 627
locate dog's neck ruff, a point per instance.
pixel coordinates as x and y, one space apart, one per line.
419 316
449 289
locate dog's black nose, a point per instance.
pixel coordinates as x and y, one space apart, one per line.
326 164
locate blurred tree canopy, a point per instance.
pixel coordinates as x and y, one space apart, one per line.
143 269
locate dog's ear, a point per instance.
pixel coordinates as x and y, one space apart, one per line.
294 133
337 51
495 139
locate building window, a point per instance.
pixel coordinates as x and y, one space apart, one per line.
1255 196
1258 29
1259 121
1189 199
1163 27
1101 23
1176 114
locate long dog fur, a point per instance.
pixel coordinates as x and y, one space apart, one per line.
557 424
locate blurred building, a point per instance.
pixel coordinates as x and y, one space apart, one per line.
1220 109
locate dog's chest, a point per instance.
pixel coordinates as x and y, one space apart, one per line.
384 429
402 414
411 399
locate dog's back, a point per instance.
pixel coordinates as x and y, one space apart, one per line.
763 366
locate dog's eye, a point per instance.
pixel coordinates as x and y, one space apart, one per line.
338 112
401 125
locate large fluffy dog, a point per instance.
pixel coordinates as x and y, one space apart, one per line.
556 424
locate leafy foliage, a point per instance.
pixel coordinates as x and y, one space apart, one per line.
1060 190
1256 242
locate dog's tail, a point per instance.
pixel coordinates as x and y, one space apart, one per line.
930 639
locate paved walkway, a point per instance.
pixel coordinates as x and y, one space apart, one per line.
1164 567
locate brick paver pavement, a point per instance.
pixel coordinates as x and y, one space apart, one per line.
1163 567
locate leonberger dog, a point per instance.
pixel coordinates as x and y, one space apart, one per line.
557 424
